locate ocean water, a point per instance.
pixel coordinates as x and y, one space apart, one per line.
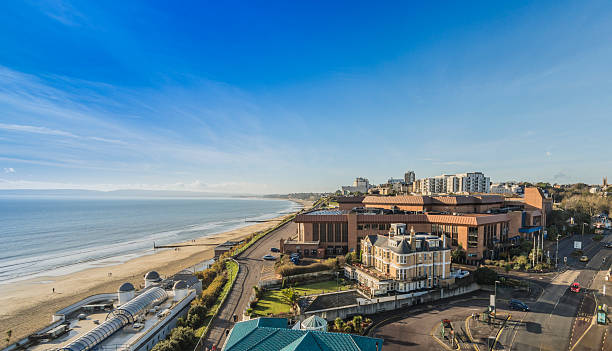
54 236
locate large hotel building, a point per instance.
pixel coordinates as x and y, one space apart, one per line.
484 225
401 262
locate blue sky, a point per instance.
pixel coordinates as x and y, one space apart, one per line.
265 97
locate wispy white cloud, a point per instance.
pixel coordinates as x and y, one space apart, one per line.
81 125
35 130
49 131
62 11
9 170
548 153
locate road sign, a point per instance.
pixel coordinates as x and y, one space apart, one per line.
578 245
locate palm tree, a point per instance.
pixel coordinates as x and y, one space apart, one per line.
290 297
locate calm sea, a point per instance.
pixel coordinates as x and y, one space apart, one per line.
51 236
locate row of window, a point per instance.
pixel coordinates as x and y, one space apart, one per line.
374 226
450 231
330 232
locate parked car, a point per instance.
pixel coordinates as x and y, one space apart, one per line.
269 258
584 258
274 249
575 287
608 246
518 305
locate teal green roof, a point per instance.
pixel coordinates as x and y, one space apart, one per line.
273 334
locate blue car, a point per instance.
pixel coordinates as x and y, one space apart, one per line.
518 305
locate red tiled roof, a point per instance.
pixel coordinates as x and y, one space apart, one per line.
400 199
425 200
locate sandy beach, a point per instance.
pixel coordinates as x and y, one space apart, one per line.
27 306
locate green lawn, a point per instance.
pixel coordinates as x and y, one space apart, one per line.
272 302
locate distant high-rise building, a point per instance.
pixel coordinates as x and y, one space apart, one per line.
409 177
360 185
474 182
605 182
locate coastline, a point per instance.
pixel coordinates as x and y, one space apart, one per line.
27 305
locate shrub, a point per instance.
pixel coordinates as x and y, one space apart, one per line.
210 295
289 269
357 323
339 324
521 260
508 267
249 311
206 276
484 275
488 262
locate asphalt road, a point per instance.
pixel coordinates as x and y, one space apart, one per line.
251 265
412 329
559 317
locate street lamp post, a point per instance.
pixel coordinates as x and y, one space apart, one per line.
495 298
557 254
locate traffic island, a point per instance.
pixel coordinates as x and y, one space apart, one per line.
484 330
445 334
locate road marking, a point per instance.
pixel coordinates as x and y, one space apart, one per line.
469 333
438 340
500 332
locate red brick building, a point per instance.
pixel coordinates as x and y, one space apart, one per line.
483 225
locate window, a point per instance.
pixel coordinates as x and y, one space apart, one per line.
455 236
337 232
330 232
323 231
315 231
359 226
472 236
345 232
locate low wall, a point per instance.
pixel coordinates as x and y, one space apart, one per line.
389 303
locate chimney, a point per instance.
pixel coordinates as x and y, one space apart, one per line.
412 239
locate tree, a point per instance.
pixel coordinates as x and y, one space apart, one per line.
290 297
9 333
164 345
339 324
522 260
184 338
357 323
458 254
348 258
